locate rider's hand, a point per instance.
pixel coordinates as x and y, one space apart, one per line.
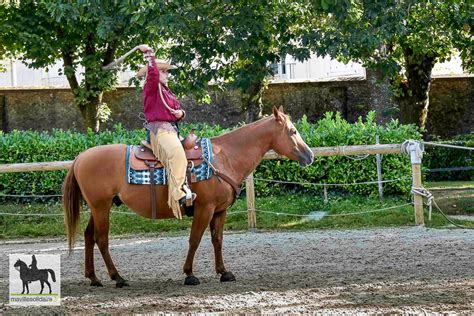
144 48
178 114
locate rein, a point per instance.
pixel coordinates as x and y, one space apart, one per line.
232 183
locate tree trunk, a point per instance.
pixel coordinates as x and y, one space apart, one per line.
380 97
90 112
4 126
415 92
252 101
90 108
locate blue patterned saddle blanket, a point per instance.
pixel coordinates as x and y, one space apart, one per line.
136 172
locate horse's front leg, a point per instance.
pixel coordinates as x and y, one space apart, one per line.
202 218
25 286
217 232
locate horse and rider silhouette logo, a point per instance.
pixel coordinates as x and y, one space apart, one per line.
31 273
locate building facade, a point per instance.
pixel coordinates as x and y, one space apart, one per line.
289 70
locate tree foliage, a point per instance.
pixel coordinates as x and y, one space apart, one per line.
229 42
399 37
232 43
85 35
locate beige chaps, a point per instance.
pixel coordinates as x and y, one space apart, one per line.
169 151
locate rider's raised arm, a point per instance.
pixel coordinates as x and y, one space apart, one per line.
153 75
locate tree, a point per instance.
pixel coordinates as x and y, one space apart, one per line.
84 34
403 39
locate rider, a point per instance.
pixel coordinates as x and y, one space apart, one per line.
33 266
162 112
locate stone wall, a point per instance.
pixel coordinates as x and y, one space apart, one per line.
451 109
451 106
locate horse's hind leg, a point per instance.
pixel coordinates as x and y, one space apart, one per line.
101 228
201 220
217 232
49 285
89 241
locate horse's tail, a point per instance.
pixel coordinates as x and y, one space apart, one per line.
72 202
53 276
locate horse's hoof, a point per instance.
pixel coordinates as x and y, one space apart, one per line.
121 283
227 277
96 283
191 280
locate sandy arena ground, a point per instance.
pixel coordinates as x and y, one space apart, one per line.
407 270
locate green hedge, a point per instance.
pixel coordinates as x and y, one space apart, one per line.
332 130
442 157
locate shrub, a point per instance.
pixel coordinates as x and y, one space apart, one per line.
442 157
332 130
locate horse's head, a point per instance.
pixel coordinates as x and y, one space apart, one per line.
18 264
287 140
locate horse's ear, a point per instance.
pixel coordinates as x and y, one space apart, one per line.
278 115
281 109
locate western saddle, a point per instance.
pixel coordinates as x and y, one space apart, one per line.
142 158
144 154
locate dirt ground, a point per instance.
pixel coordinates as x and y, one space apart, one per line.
408 270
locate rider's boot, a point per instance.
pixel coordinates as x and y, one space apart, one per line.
189 198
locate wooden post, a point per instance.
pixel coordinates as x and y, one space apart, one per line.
250 192
379 170
347 150
417 199
35 166
326 200
415 150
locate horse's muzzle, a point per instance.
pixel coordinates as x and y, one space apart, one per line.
306 158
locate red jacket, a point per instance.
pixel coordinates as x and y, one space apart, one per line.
153 106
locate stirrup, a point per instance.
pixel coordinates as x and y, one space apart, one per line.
190 196
188 191
184 201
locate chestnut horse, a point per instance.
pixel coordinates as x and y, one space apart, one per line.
98 175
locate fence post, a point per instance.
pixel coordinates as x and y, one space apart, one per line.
417 199
250 193
325 187
379 169
415 150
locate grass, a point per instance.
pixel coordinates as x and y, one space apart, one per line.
283 212
450 184
455 197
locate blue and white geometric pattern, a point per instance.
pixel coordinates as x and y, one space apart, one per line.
202 172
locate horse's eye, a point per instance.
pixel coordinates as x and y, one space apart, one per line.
293 131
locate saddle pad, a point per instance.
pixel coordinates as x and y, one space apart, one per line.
202 172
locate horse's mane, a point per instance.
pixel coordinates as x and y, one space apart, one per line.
255 124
